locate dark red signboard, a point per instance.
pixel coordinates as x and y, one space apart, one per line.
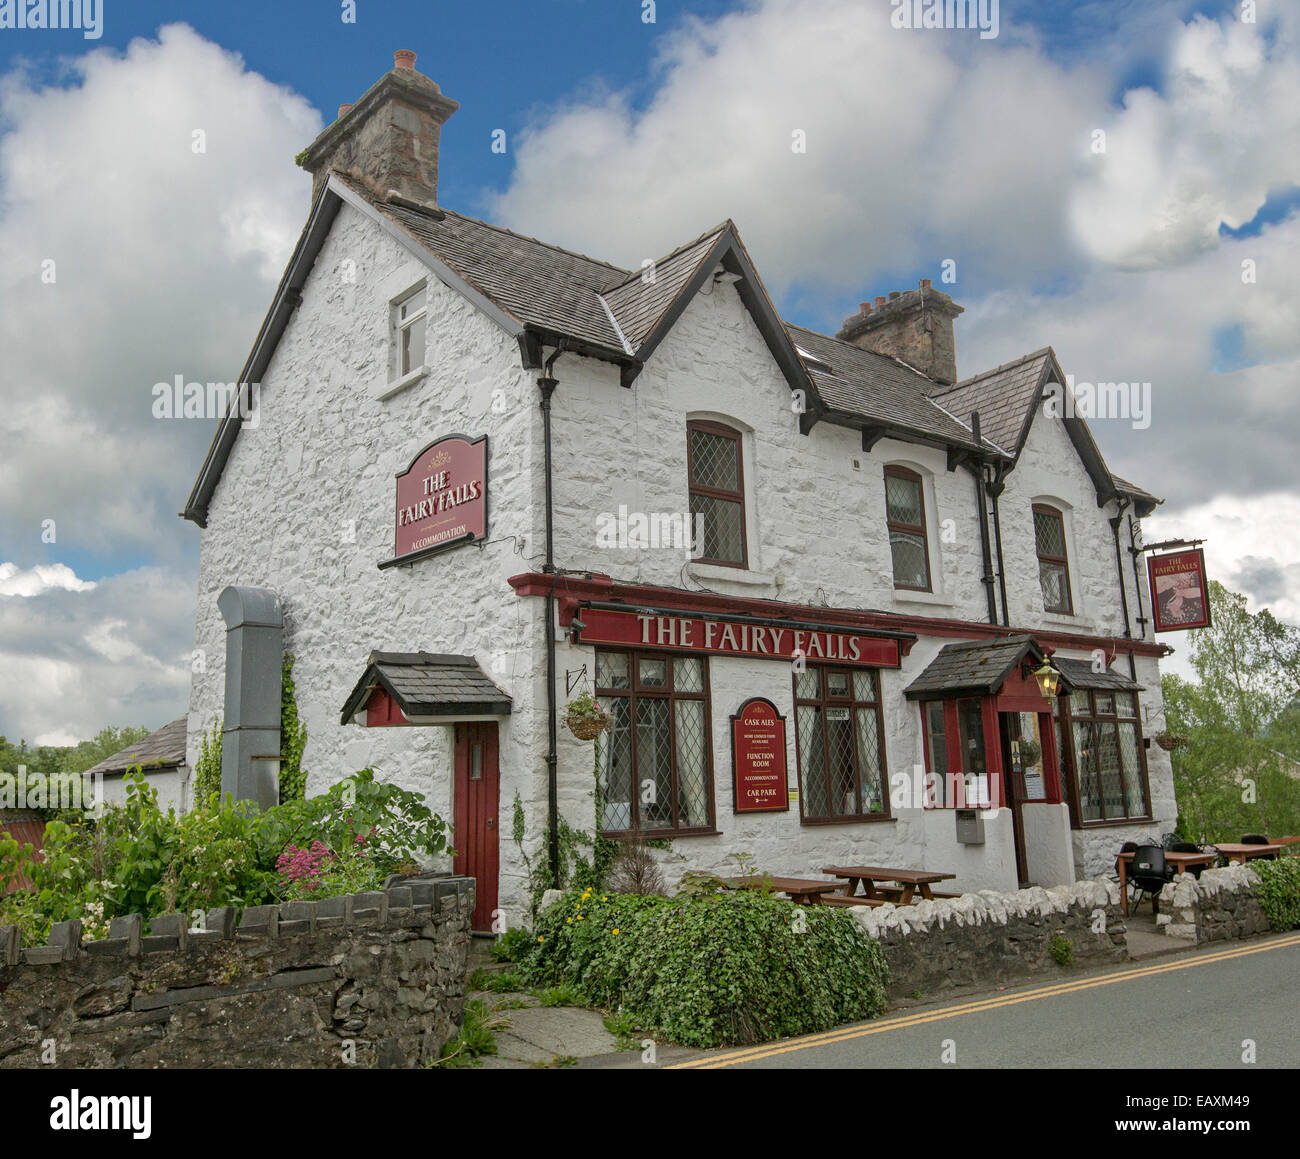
442 497
736 638
758 758
1180 597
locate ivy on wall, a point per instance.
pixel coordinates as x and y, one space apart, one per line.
293 739
207 769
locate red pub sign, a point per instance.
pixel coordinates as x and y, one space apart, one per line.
758 758
642 629
441 497
1180 598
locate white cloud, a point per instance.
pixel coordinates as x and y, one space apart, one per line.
32 582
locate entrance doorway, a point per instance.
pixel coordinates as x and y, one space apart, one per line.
477 793
1014 777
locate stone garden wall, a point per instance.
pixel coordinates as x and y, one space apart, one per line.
1219 905
935 946
367 980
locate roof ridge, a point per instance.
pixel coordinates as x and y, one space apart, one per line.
860 350
997 369
717 229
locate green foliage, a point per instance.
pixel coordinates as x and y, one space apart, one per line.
1278 890
475 1038
504 982
207 769
293 739
1061 949
622 1027
737 967
561 995
1236 773
137 859
512 945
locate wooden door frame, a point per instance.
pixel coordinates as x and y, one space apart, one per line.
487 877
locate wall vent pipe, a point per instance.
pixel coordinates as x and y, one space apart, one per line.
250 736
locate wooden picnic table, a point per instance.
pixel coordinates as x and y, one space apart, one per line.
1180 861
803 890
1234 851
906 882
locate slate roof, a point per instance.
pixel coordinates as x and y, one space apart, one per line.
971 668
162 749
1003 396
1124 487
878 389
1079 674
428 684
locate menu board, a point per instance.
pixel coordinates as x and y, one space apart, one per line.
758 758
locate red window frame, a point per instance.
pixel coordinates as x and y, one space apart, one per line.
892 525
1063 560
738 496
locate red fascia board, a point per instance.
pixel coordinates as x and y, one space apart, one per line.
571 591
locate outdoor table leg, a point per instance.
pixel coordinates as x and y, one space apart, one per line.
868 887
925 891
908 890
1123 885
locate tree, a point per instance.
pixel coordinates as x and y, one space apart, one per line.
1237 772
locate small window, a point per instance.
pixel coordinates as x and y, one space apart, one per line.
717 492
1053 564
905 517
409 324
840 745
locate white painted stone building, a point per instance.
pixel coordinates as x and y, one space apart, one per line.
403 332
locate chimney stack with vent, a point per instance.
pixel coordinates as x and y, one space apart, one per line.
389 138
915 326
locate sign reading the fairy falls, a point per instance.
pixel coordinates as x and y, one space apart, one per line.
441 499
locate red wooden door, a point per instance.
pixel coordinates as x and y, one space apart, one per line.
477 789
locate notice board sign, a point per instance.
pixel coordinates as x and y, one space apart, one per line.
441 499
758 758
1180 597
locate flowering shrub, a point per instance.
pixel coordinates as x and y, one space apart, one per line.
137 859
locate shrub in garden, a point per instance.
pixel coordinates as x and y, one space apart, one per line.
738 967
137 859
1278 890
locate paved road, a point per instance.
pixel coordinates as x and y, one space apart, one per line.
1196 1007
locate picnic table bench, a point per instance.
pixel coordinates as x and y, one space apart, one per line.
804 891
1181 863
1234 851
906 882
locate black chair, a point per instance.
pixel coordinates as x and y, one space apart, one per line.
1127 847
1148 873
1189 847
1258 839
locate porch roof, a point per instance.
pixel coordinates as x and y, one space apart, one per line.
428 684
1078 674
972 668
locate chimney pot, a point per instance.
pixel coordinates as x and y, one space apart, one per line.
344 110
895 294
916 329
925 283
880 300
864 307
404 58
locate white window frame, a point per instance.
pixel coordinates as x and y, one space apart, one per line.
399 327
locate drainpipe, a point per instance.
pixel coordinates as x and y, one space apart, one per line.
995 488
1121 505
1135 551
546 387
986 551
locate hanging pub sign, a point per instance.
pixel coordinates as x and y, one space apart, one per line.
1179 593
770 641
441 499
758 758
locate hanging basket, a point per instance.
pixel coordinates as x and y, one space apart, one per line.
586 719
1169 742
1030 753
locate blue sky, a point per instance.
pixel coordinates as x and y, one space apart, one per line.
626 139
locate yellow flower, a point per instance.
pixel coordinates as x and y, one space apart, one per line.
605 898
616 932
580 917
568 921
541 939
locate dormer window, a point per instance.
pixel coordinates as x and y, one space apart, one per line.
409 323
905 518
1053 560
717 492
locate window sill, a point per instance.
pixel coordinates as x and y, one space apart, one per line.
935 599
1116 823
660 834
735 575
870 819
1074 620
387 390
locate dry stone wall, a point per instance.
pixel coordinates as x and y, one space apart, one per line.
366 980
1219 905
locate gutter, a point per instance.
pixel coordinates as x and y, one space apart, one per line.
995 488
986 551
1118 518
546 385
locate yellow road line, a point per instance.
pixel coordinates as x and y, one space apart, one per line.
749 1054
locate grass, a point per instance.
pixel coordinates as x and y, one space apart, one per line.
561 995
503 983
474 1040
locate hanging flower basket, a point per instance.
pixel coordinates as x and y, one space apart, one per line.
1030 752
585 718
1169 742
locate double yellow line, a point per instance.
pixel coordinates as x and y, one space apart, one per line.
769 1050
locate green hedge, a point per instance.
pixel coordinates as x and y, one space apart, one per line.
740 967
1279 891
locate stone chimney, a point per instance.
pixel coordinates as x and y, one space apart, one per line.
915 326
389 137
